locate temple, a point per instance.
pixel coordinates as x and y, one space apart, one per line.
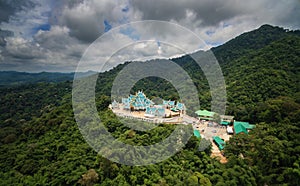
137 102
141 104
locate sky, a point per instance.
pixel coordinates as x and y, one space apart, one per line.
53 35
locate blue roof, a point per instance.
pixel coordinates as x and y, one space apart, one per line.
125 100
180 106
127 105
171 103
161 111
139 101
165 102
115 102
155 111
141 95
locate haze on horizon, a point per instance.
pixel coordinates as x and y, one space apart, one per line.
49 35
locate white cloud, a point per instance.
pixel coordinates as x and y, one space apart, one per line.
21 48
24 22
76 23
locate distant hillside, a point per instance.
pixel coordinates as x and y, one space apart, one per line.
18 78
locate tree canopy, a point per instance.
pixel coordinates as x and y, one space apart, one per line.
42 145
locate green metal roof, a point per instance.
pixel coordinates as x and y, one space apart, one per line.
204 113
245 124
238 128
197 134
251 126
221 147
225 123
219 142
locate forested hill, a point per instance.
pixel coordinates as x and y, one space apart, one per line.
20 78
251 41
257 66
40 143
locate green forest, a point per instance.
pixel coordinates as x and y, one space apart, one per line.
42 145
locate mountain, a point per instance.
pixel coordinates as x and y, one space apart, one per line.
42 145
259 65
18 78
251 41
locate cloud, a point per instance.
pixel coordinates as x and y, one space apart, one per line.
53 50
46 35
212 12
89 19
10 7
212 15
3 35
21 48
208 12
25 22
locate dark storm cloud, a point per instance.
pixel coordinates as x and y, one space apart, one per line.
10 7
5 11
3 35
209 12
212 12
87 20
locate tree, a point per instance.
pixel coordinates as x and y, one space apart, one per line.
103 102
205 145
89 178
217 118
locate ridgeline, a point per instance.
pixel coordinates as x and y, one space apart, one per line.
41 144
